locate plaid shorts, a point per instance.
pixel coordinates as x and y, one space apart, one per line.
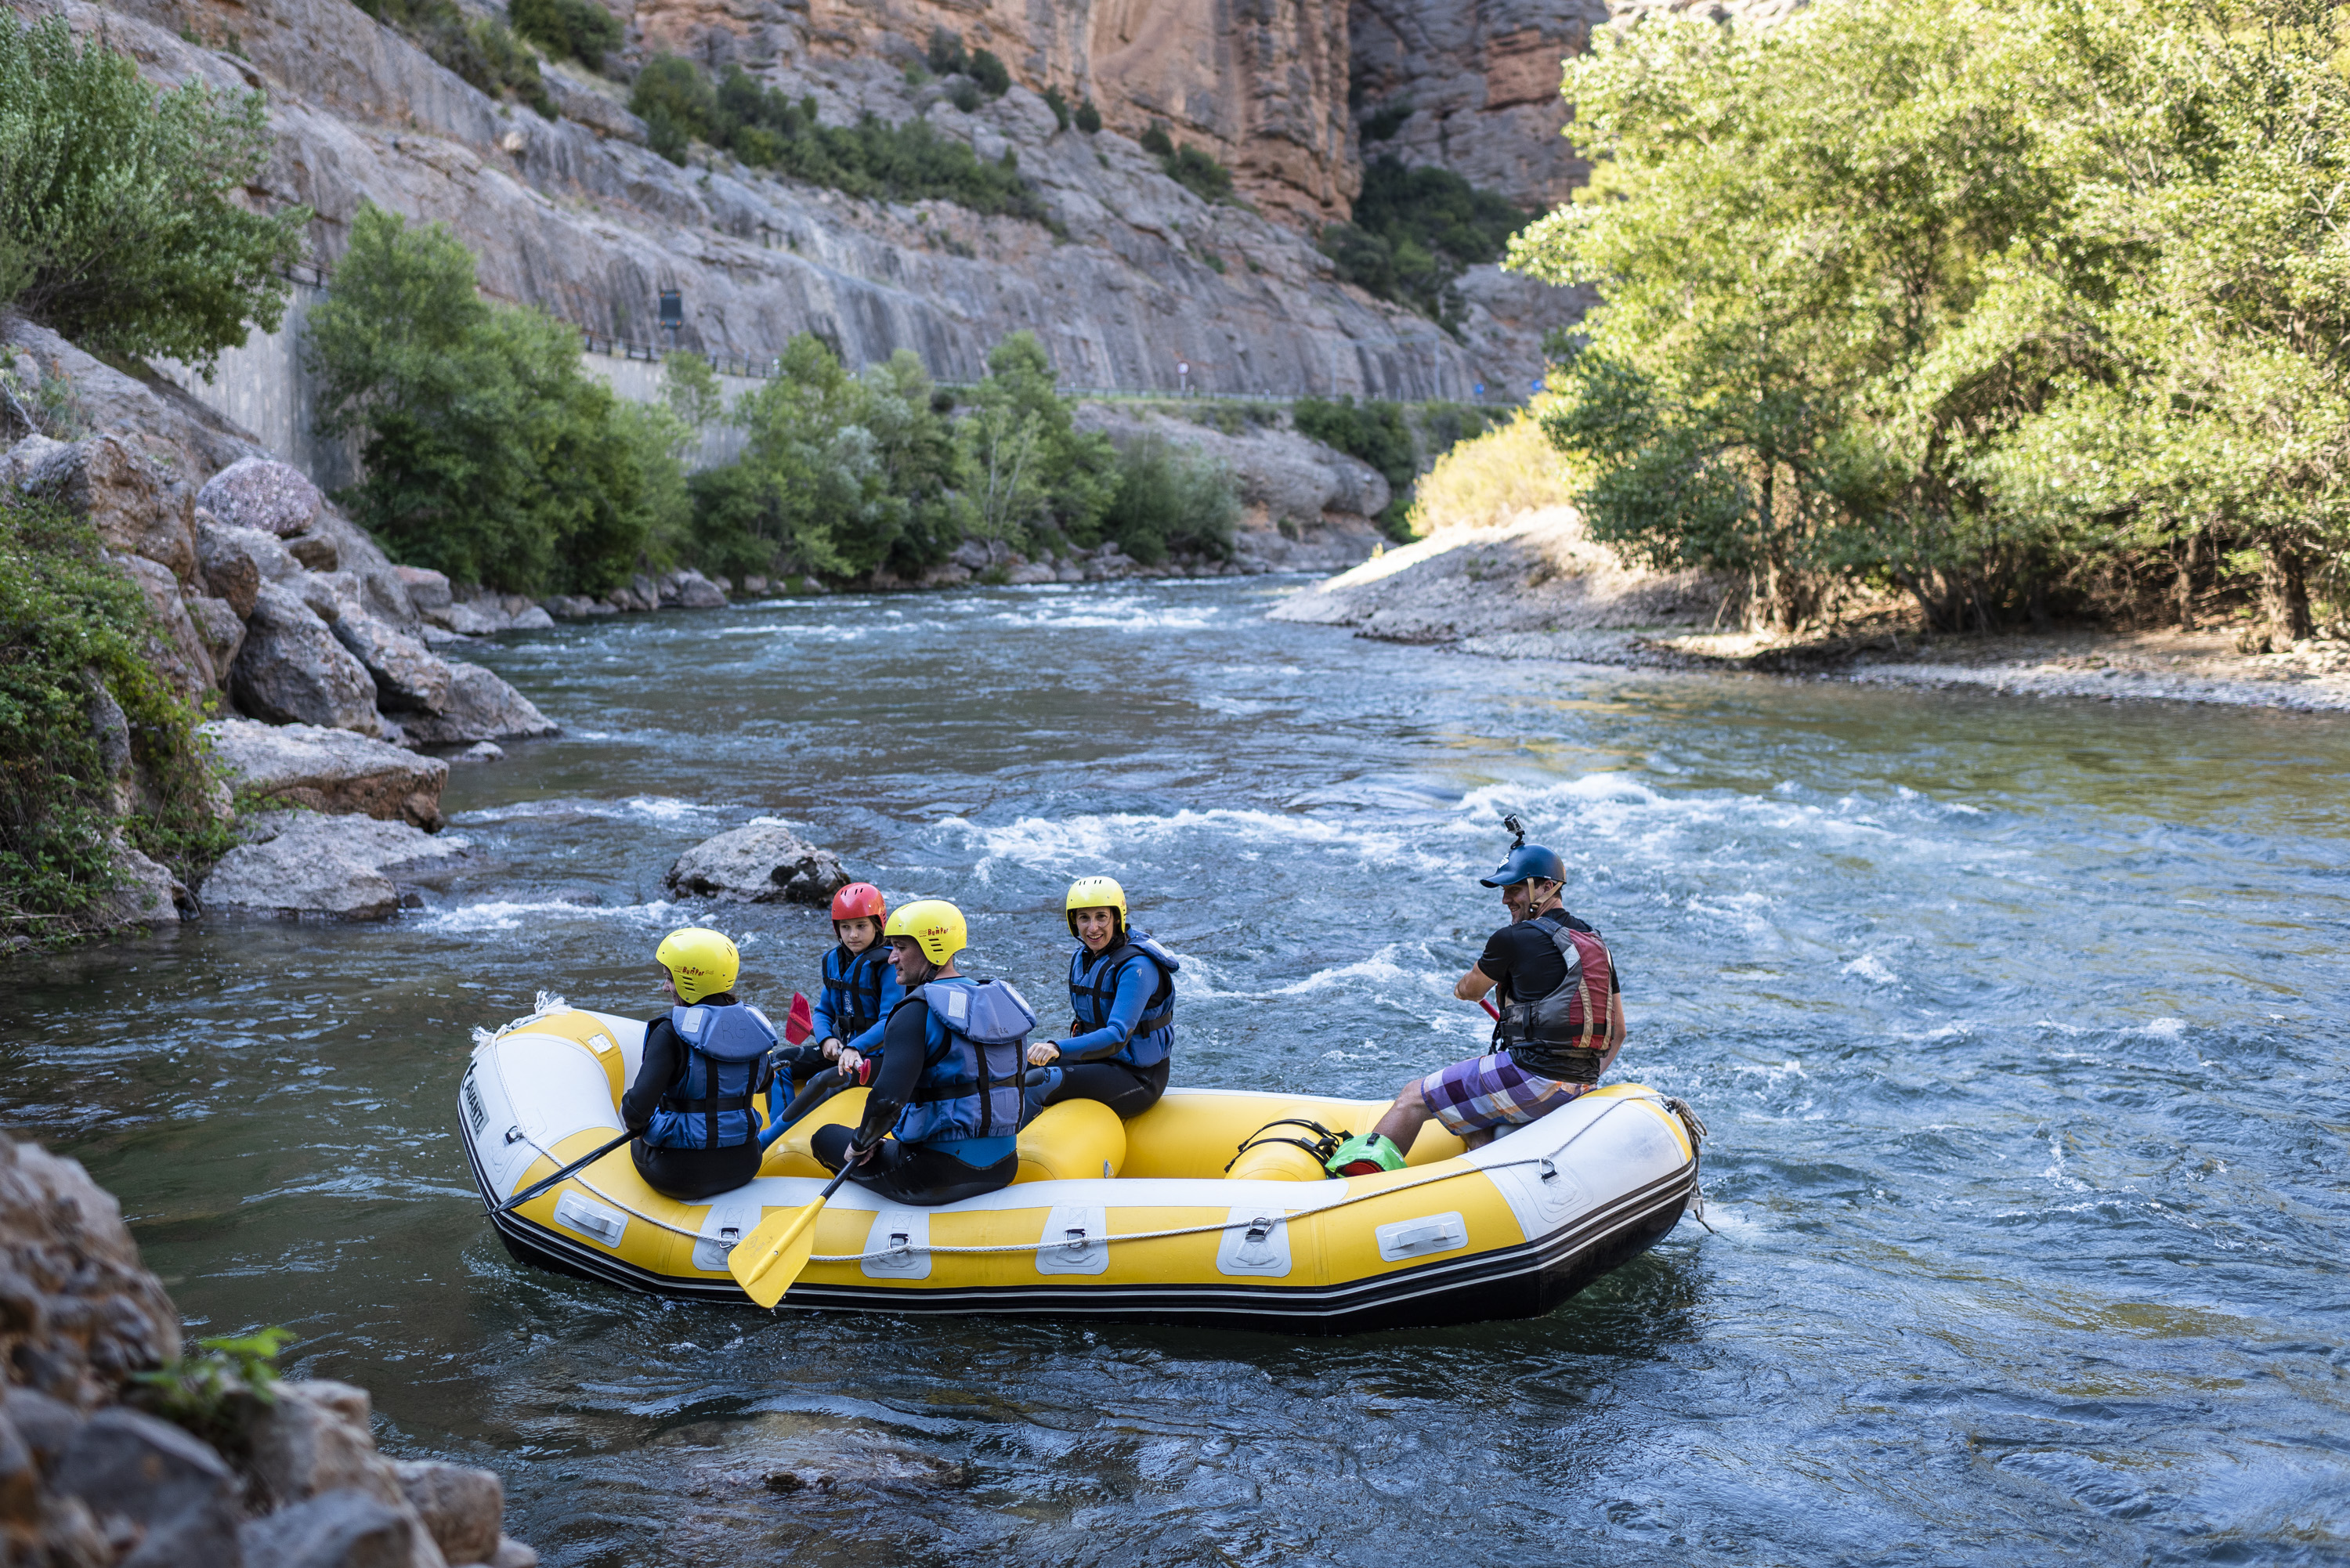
1492 1091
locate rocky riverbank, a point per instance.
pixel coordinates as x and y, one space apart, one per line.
1537 588
121 1447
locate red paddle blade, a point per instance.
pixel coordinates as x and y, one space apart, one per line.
800 1023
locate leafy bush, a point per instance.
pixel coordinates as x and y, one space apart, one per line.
1059 106
73 636
946 54
1487 479
1414 232
1088 118
1385 121
208 1393
988 72
767 129
490 454
1155 141
1374 431
965 96
1168 499
120 223
1026 471
1199 173
481 50
581 28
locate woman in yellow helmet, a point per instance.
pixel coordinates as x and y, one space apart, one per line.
947 1080
1122 996
705 1065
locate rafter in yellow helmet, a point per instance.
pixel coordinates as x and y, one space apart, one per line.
1095 893
937 925
700 963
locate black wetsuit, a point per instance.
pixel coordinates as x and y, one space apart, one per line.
685 1174
921 1174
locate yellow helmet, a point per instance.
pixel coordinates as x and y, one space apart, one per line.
935 924
700 963
1095 893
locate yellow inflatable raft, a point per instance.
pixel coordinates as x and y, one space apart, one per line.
1194 1211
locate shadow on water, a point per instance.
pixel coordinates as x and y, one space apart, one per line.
2017 1025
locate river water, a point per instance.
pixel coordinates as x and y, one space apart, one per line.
2019 1027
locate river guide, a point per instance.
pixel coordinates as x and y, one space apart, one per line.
1208 1208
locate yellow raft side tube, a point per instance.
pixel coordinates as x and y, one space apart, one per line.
1106 1218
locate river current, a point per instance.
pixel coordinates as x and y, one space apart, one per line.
2017 1026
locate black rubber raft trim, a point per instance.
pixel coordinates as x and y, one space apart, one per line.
1524 1281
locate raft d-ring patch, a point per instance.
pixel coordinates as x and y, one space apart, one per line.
902 1239
1076 1241
1256 1241
1420 1238
576 1212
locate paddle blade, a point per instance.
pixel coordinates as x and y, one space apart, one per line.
767 1261
800 1023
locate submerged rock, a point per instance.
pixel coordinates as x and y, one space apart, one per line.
478 707
763 863
330 771
348 868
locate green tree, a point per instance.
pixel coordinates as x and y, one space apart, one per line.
581 28
1168 499
810 489
489 453
1413 233
121 219
1026 467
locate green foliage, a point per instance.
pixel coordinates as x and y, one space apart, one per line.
74 632
965 96
581 28
946 55
1059 106
1155 141
481 49
210 1394
1400 442
490 455
1088 118
1976 305
1026 469
1385 121
990 73
767 129
841 475
1414 230
1199 173
120 224
1168 499
689 388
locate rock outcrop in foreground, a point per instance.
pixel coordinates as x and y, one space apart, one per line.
92 1476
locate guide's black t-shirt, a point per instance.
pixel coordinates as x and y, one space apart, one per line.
1523 962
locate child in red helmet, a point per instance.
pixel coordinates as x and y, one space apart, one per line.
859 988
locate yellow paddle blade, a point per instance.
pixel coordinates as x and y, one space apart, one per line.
767 1261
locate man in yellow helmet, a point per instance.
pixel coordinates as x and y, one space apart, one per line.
947 1080
705 1065
1122 1001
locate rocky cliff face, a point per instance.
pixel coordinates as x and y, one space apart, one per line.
574 216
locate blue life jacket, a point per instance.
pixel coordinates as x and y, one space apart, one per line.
970 1085
854 984
726 1069
1093 987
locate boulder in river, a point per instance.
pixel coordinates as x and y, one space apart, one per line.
479 707
291 670
409 677
761 863
300 863
330 771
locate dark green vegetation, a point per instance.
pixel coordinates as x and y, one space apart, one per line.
81 708
1414 232
490 454
1188 166
118 220
481 50
845 474
763 128
1059 106
2014 313
1400 441
1088 118
582 30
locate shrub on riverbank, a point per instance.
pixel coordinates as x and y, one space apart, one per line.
1171 499
1399 440
83 714
2007 309
759 125
1488 479
120 222
490 454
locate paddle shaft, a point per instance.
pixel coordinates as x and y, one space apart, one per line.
574 1169
813 1093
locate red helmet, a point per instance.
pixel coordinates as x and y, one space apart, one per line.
859 901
